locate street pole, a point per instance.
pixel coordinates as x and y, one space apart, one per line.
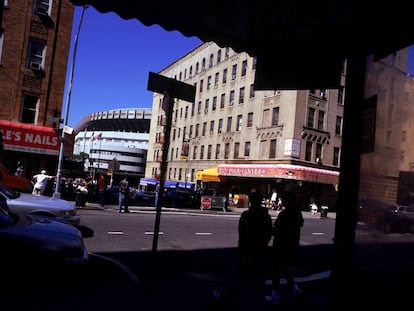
62 140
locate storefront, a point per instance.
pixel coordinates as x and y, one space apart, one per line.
36 147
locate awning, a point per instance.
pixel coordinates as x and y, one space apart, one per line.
32 138
286 171
209 174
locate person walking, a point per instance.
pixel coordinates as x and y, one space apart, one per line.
101 189
19 169
123 196
254 235
286 237
41 181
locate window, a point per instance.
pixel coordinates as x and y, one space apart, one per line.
216 79
311 117
241 95
321 119
239 122
201 86
234 72
249 119
214 106
195 149
251 93
192 109
210 63
36 54
191 131
197 67
203 64
218 151
197 130
206 105
30 106
231 102
236 150
335 160
224 76
208 82
229 120
226 150
201 152
338 125
191 71
308 151
209 150
222 100
227 53
218 56
323 93
318 152
199 107
247 149
42 7
212 127
244 68
275 116
204 130
220 126
341 95
254 63
186 112
272 149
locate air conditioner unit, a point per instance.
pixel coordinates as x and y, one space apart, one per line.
35 66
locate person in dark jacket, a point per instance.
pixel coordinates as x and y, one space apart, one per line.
286 237
255 233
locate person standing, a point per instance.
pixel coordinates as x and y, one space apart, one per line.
41 181
101 189
286 237
19 169
123 196
255 233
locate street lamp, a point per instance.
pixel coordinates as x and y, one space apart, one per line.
62 140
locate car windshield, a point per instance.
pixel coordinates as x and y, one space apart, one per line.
10 194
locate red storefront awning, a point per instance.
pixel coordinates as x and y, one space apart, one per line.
287 171
31 138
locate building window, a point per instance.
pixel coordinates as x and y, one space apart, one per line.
335 160
231 102
239 122
197 130
234 72
208 82
229 121
201 86
203 64
216 79
204 130
224 76
209 150
251 93
199 107
226 150
241 95
236 150
214 106
211 62
218 56
212 127
217 151
197 67
30 106
227 53
42 7
206 105
249 119
222 100
321 119
195 149
318 153
341 95
338 125
201 152
192 109
272 149
308 151
311 117
247 149
220 126
36 54
275 116
244 68
254 63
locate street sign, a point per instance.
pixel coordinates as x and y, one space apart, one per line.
176 89
53 119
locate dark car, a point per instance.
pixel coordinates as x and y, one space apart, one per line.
32 244
399 219
178 197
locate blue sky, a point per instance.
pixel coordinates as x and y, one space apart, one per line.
113 59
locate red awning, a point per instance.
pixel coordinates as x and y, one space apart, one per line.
287 171
30 138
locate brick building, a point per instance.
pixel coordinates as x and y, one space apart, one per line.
34 48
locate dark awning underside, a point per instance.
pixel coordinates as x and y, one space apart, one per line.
298 44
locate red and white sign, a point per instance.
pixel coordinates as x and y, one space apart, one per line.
205 202
29 138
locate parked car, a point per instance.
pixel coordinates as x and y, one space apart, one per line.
32 245
14 182
40 205
399 218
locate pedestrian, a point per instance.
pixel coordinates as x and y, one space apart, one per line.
19 169
101 189
41 181
286 237
255 233
123 196
273 199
